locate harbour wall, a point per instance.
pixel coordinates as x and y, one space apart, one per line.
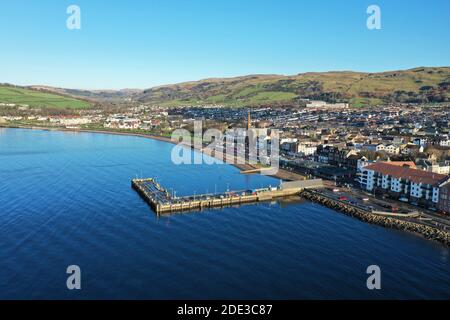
385 221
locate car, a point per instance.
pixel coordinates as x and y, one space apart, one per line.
335 190
365 199
342 198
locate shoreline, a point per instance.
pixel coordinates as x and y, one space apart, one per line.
281 174
429 233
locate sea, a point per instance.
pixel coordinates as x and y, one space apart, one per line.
66 200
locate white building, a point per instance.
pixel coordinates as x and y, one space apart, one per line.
306 149
440 168
402 181
323 104
444 143
380 147
392 149
70 121
122 122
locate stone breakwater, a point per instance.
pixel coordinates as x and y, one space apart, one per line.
426 231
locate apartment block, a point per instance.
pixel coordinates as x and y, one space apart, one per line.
403 182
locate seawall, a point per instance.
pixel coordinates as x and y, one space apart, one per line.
425 231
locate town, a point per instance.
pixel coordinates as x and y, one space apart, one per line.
398 152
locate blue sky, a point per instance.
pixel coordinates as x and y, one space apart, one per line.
139 44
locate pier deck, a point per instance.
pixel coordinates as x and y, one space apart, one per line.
161 201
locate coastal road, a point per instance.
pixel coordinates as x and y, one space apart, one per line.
427 217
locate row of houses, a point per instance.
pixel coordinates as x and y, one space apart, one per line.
342 156
69 120
122 122
336 156
295 147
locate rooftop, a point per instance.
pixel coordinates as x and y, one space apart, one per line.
405 172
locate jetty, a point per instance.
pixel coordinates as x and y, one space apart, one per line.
162 201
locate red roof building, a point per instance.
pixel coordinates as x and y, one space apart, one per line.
407 173
401 181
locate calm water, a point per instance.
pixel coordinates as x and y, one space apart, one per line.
65 198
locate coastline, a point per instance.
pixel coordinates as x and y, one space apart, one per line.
427 232
430 233
281 174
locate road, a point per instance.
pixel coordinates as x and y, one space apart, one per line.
354 195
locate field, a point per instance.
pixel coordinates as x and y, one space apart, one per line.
419 85
38 99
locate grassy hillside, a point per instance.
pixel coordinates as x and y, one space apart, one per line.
414 85
97 95
419 85
38 99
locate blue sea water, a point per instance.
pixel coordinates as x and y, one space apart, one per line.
66 199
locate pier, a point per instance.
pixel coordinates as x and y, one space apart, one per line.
161 201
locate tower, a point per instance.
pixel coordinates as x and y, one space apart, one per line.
249 121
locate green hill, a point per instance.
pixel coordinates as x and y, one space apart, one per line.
418 85
425 84
39 99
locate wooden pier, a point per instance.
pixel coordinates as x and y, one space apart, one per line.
161 201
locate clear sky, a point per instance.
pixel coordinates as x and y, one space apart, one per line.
139 44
